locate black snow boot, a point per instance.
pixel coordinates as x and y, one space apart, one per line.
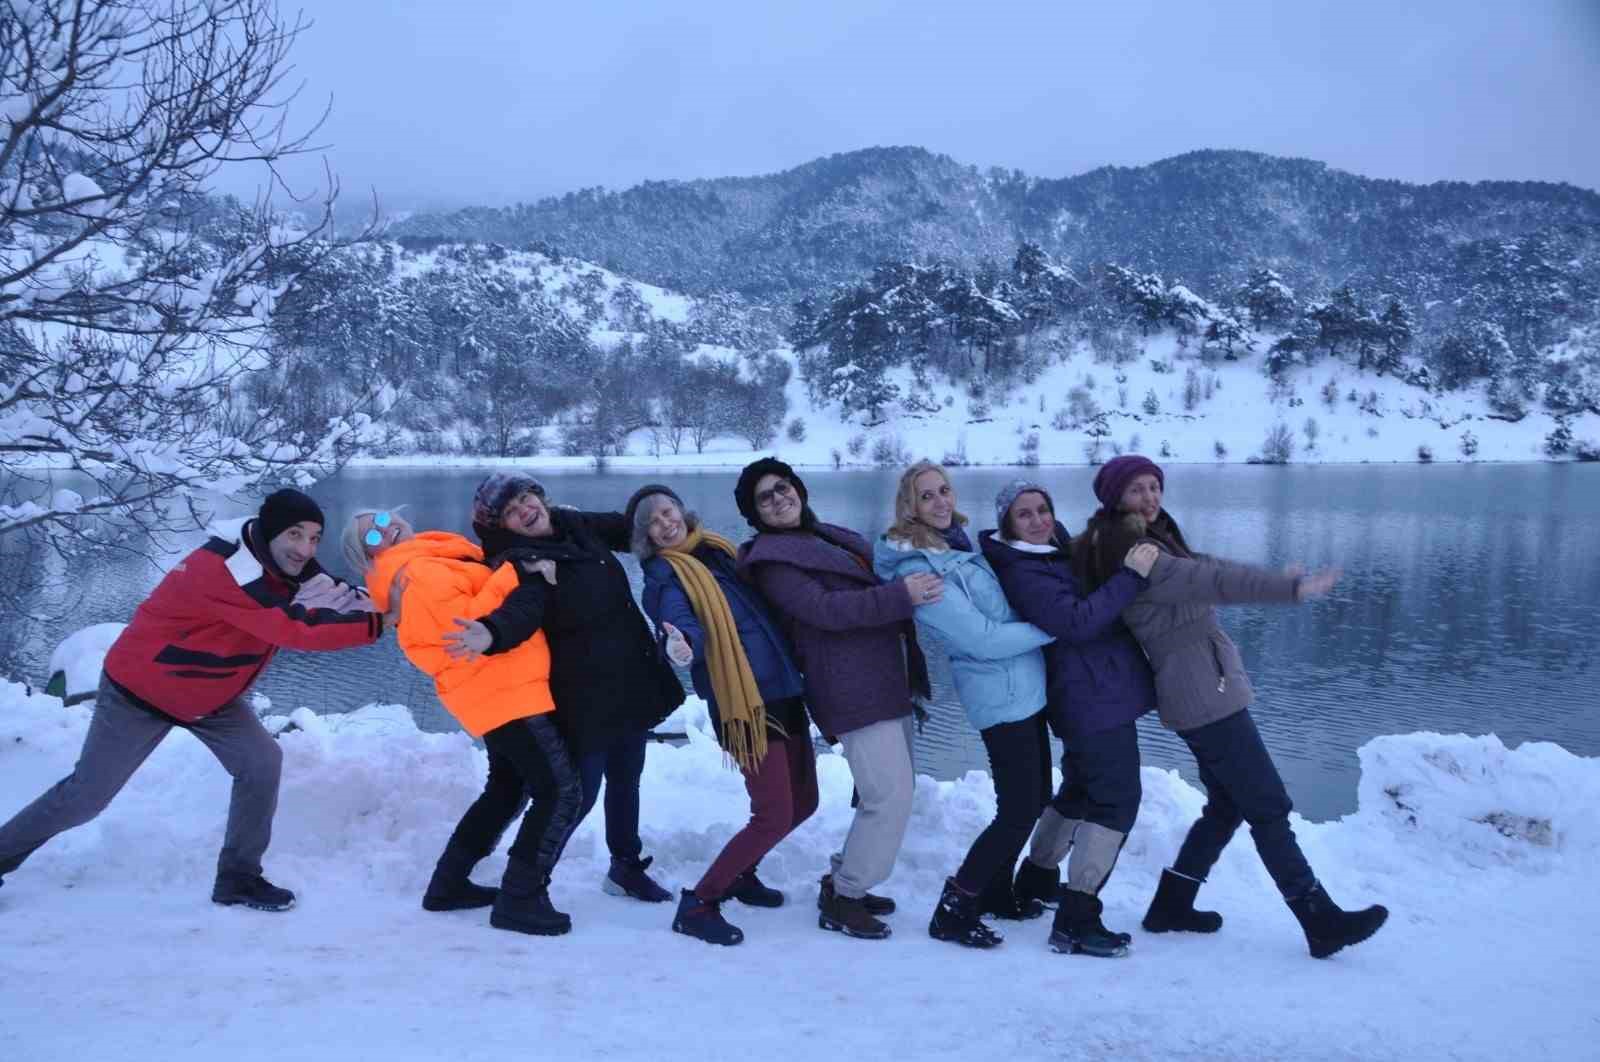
450 889
627 877
1000 899
877 906
1079 931
703 920
1172 909
753 892
250 890
1037 883
849 915
523 904
1328 927
956 919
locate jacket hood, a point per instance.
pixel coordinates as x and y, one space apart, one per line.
889 554
1002 553
387 565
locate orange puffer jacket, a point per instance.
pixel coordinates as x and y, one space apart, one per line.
443 578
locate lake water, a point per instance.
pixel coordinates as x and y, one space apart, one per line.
1470 603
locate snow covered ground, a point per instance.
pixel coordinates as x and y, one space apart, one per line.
109 947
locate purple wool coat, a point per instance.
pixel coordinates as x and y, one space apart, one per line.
852 632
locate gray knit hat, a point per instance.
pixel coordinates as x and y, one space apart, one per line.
1009 493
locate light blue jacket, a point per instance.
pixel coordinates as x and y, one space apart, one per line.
994 656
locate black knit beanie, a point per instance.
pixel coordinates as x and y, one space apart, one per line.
744 493
285 508
632 508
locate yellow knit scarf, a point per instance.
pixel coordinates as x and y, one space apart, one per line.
744 717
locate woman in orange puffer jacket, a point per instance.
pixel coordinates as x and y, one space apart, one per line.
438 582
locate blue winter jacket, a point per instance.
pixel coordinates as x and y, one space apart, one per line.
994 656
1099 677
765 646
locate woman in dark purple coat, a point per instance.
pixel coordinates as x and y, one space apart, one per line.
855 642
1099 684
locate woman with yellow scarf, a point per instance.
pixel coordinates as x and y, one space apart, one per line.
743 666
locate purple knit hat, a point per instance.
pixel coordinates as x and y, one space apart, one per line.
1115 475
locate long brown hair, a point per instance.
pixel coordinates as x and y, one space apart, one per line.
906 526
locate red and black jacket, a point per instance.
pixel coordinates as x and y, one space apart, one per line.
201 638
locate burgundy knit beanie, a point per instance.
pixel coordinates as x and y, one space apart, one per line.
1115 475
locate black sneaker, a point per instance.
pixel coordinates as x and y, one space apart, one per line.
877 906
753 892
702 919
627 877
849 915
250 890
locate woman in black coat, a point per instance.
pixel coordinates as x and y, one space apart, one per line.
610 681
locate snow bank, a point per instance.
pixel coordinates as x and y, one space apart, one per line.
1482 852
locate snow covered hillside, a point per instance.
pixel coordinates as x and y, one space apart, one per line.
110 948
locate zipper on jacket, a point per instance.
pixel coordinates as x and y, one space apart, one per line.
1222 675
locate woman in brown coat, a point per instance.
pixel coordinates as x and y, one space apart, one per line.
1203 693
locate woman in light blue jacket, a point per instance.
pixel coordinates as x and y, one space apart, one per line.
999 676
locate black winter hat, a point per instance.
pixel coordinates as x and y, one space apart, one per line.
630 510
744 493
285 508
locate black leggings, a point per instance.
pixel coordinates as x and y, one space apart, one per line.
528 759
1019 763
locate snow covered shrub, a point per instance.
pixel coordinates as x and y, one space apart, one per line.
1151 404
1330 393
1586 450
1091 452
838 459
1220 450
1159 366
1191 389
889 452
1469 444
1278 447
1135 443
1312 430
1166 448
977 409
1425 454
1116 448
1122 398
857 444
1558 441
797 430
957 458
1061 420
1029 454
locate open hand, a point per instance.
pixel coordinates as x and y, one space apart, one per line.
545 567
925 588
468 641
1142 558
1316 585
678 649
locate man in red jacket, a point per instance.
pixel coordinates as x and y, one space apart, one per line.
194 647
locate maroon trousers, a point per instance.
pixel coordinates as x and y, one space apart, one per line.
783 794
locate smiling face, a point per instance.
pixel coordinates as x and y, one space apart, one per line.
934 499
397 531
294 546
777 502
1031 518
667 526
527 514
1142 496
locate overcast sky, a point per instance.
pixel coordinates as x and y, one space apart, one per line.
497 101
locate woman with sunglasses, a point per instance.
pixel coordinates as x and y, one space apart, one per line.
437 582
855 643
610 679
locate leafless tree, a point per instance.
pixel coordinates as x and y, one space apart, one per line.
134 309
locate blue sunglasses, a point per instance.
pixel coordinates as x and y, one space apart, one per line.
374 537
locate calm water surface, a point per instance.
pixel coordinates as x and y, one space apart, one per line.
1470 603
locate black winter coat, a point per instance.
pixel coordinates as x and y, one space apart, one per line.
607 674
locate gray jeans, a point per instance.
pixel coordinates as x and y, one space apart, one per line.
880 762
121 737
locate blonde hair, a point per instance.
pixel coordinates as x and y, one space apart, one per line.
906 526
351 544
